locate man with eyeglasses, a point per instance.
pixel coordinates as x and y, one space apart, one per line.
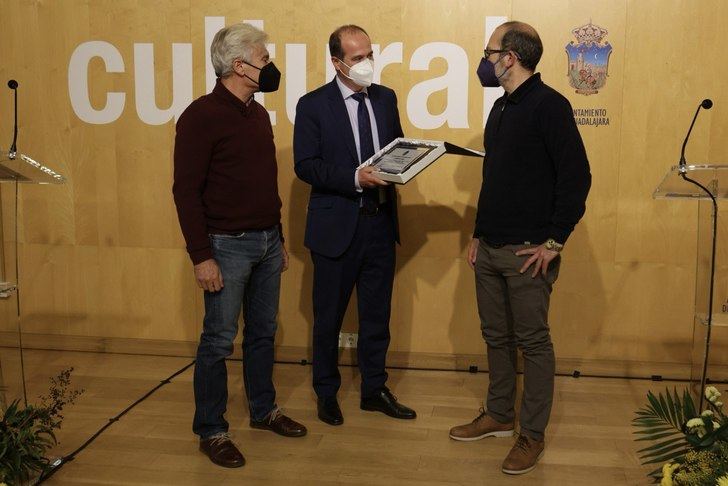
535 182
351 226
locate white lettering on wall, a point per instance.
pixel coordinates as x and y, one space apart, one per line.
455 81
295 83
144 83
392 54
295 77
78 82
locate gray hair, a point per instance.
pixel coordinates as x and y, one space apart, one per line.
234 42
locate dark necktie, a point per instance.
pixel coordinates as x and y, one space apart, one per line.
366 140
370 197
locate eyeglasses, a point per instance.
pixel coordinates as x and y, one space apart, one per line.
487 52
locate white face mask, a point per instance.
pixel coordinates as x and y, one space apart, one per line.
362 73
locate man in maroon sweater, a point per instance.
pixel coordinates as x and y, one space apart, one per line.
226 192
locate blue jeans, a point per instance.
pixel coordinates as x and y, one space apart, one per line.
251 264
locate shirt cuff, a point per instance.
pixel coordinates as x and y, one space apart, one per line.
356 181
199 256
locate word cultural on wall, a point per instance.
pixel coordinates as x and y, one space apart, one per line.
454 82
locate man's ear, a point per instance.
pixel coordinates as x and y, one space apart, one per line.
238 67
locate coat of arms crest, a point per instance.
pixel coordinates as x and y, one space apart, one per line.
588 59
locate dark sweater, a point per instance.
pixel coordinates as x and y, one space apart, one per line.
225 170
535 172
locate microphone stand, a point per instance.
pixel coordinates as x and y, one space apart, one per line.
707 104
12 153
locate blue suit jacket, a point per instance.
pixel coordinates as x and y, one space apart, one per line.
325 156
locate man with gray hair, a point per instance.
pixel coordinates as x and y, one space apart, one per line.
226 193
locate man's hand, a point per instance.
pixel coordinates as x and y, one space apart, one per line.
208 276
368 179
540 256
473 252
284 253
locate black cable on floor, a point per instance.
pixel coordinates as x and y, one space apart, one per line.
573 374
69 457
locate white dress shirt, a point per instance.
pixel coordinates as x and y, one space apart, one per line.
352 107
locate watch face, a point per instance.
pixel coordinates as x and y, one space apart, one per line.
552 245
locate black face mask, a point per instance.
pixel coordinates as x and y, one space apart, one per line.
268 79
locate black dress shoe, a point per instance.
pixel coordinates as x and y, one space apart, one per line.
383 401
329 411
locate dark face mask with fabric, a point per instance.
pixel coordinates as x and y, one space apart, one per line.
486 73
269 78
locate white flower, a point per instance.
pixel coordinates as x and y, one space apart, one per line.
694 423
711 393
718 404
707 413
716 425
696 426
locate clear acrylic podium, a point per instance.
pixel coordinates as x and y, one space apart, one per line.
17 169
711 276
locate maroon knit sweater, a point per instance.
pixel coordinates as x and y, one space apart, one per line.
225 170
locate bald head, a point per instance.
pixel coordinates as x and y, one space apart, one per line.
522 39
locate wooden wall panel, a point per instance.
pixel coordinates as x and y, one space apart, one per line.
103 257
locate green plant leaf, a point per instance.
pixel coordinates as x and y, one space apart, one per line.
656 475
662 448
652 430
655 405
671 408
668 457
662 452
663 443
657 436
647 422
678 407
665 409
688 406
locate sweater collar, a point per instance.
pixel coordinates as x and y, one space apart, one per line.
223 93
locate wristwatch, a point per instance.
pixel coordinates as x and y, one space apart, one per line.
553 245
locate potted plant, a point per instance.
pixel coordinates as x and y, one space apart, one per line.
27 432
691 446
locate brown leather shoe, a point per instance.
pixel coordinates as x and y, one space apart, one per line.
222 451
280 424
523 456
481 427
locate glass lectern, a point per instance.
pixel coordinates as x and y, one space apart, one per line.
15 169
707 184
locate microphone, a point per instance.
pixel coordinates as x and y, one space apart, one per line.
12 84
707 104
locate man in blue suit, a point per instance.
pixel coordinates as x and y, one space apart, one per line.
351 227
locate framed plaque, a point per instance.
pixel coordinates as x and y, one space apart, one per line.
404 158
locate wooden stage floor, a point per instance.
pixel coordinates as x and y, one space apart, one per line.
589 440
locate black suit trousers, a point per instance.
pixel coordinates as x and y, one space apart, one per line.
368 264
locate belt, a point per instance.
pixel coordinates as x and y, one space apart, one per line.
497 245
